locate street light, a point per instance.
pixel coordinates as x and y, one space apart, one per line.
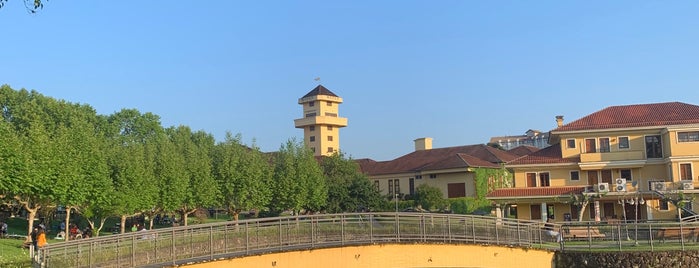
635 202
396 199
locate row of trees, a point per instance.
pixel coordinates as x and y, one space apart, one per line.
56 153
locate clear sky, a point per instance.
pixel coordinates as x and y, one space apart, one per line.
457 71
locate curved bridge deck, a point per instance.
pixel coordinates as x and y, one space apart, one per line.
215 241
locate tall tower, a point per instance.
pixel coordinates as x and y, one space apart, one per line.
321 123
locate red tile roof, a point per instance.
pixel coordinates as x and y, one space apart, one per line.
523 150
319 90
535 192
548 155
440 158
638 115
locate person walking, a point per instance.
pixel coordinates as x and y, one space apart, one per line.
41 238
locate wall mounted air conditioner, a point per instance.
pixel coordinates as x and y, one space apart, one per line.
658 186
603 187
687 185
620 184
620 187
620 181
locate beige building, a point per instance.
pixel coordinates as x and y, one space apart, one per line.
632 161
450 169
321 122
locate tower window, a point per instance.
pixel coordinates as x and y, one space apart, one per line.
311 104
313 138
330 127
310 114
330 138
330 149
312 128
330 104
313 149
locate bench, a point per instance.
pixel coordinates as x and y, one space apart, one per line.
677 233
578 232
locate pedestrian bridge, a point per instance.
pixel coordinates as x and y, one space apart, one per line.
337 240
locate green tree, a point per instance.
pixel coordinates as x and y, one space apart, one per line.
298 181
430 197
134 139
201 189
349 190
243 176
29 181
81 164
170 173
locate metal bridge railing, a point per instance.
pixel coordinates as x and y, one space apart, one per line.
186 244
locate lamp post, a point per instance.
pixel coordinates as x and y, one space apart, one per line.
396 199
635 202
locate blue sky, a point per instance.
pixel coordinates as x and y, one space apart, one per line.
457 71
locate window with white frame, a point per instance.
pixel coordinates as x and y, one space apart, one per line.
626 174
689 136
604 145
544 179
623 142
574 175
570 143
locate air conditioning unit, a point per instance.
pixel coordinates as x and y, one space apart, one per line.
687 185
658 186
620 184
621 187
620 181
603 187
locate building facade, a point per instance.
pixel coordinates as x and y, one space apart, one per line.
632 162
450 169
321 122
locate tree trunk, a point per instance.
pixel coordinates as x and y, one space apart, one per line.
30 216
150 223
185 215
67 220
582 210
123 224
96 232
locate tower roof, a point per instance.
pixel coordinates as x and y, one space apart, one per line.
320 90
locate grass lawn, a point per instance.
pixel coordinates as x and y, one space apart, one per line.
12 254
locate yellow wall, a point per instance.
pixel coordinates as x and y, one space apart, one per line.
682 148
441 182
559 176
636 141
444 179
382 256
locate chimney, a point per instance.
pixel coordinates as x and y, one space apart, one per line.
422 144
559 120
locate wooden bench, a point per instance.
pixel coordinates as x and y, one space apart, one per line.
689 233
580 232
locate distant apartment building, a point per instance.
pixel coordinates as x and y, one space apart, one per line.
532 137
